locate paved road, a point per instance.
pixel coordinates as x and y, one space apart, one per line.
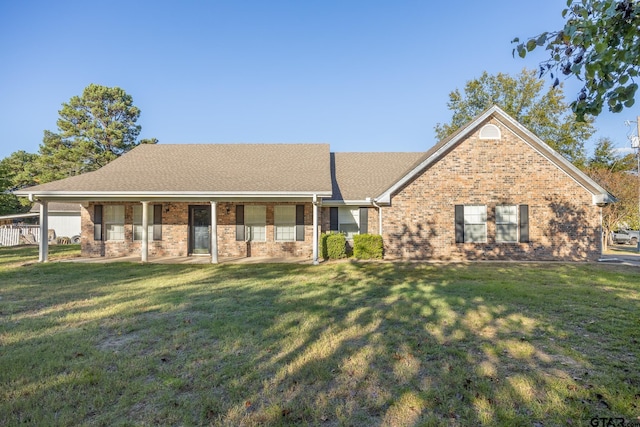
625 254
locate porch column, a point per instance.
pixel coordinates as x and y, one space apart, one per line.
145 232
214 232
43 248
315 230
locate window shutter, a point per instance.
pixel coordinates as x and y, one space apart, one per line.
157 222
333 219
364 220
300 223
240 223
97 222
459 223
524 223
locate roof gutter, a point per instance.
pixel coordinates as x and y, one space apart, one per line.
169 195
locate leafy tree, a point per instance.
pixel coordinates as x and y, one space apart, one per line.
617 174
522 97
93 129
605 157
16 171
8 202
599 45
624 186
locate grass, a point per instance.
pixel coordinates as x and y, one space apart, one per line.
337 344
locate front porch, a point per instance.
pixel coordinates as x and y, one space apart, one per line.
194 232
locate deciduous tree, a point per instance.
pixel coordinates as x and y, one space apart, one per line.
617 174
16 171
524 98
599 45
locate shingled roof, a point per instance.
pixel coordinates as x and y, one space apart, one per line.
208 169
358 176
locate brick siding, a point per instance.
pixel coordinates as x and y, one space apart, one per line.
563 222
175 232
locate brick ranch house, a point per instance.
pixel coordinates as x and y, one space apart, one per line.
492 190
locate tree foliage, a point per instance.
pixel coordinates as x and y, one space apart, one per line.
600 45
617 174
16 171
93 129
524 98
606 157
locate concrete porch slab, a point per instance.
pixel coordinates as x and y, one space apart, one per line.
193 260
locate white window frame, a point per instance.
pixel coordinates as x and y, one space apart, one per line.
506 220
113 222
284 221
255 221
347 218
137 222
475 218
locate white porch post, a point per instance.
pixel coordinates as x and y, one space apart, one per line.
315 230
145 232
214 233
43 253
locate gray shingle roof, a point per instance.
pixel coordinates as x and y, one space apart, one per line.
357 176
207 168
58 207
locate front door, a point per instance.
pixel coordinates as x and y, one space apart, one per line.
199 229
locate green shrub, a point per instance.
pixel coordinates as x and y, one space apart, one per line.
323 245
367 246
334 246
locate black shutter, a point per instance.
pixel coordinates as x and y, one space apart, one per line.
240 223
300 223
157 222
97 222
333 219
459 223
524 223
364 220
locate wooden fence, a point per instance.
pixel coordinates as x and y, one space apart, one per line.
12 235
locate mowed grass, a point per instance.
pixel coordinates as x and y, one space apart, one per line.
337 344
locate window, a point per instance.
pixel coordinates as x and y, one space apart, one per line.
137 222
255 220
285 223
114 222
471 223
490 132
349 221
506 223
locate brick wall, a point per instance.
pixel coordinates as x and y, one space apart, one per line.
175 231
563 222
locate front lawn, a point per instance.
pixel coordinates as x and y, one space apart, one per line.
337 344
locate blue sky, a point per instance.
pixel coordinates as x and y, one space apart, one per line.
359 75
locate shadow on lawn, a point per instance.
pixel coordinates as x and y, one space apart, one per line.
340 344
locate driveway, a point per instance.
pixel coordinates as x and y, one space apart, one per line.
625 254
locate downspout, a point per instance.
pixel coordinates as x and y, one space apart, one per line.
315 230
379 216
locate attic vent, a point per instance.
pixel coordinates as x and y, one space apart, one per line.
490 132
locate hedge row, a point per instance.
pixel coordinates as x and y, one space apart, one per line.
365 246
